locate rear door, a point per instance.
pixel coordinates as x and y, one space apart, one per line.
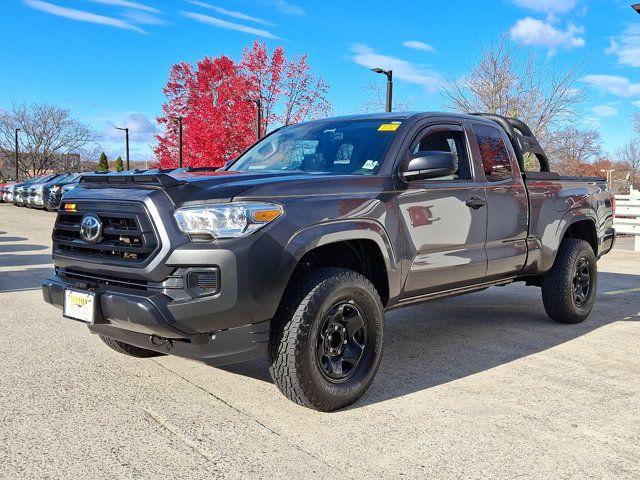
507 202
445 218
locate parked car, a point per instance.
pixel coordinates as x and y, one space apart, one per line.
5 188
19 191
58 188
9 191
38 191
297 248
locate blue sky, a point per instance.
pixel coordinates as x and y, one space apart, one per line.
107 60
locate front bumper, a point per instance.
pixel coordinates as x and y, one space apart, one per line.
156 322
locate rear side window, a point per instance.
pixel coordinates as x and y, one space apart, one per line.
493 152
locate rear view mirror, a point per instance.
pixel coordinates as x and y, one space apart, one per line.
430 164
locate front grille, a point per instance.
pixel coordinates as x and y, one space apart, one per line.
127 236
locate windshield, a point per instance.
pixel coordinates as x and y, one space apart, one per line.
351 147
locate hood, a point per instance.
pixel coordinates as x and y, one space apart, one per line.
222 186
203 187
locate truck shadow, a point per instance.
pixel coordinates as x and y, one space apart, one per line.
20 247
23 260
442 341
24 279
11 239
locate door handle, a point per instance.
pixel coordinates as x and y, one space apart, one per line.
475 203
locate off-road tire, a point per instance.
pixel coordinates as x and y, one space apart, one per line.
127 349
296 330
558 287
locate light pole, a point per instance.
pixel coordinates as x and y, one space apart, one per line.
389 74
258 116
17 154
126 136
636 7
609 173
179 140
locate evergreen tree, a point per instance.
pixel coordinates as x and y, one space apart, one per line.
118 165
103 163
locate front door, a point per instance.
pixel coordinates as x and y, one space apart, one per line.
445 218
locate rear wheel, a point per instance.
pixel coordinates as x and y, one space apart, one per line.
127 349
326 339
569 288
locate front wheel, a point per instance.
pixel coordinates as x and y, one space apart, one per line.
569 288
326 339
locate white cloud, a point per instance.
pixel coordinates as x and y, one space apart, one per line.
81 15
531 31
636 103
547 6
216 22
143 18
128 4
231 13
418 45
287 8
402 69
616 85
626 47
605 111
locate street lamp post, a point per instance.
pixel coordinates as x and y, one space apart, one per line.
17 154
609 173
258 116
389 74
126 136
180 141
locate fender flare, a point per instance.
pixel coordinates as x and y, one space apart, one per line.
314 236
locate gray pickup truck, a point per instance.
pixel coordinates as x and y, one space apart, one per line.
298 247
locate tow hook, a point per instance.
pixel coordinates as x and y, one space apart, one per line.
157 341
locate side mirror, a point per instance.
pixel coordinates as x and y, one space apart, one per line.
430 164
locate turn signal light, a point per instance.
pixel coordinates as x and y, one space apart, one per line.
266 215
70 207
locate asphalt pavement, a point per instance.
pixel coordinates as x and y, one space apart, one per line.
478 386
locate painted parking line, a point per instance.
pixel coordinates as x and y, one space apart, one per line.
620 292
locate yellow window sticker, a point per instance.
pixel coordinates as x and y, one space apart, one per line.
388 127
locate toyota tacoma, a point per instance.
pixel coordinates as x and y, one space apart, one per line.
298 247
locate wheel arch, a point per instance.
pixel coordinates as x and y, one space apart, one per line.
363 246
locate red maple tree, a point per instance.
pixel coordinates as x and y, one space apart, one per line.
211 97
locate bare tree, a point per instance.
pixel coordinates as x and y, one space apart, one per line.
47 134
629 158
636 122
376 99
572 151
509 81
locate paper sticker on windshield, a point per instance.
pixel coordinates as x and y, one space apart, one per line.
370 165
388 127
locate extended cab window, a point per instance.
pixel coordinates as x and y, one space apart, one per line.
446 140
352 147
493 152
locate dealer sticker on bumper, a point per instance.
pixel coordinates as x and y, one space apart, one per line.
79 305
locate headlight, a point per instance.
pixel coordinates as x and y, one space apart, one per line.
226 220
55 189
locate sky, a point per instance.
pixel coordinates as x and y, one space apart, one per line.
108 60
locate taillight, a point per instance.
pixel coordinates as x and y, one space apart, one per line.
613 203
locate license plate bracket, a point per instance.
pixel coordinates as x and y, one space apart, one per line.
79 305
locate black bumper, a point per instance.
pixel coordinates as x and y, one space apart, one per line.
150 320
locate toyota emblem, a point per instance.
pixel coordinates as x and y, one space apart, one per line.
91 228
